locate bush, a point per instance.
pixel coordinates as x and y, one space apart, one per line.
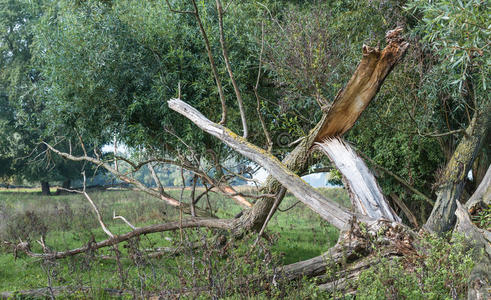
437 270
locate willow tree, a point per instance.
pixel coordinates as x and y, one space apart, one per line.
338 107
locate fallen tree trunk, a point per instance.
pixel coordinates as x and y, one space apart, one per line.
329 210
354 249
93 245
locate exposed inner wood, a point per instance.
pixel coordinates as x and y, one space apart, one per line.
365 193
363 85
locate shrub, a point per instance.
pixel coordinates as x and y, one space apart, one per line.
437 270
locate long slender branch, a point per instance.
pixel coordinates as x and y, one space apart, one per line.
229 69
98 214
156 179
279 196
258 107
212 63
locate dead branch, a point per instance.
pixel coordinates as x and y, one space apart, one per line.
366 196
91 246
163 196
124 220
156 179
278 198
98 214
410 216
363 85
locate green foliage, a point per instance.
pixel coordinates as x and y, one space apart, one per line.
438 270
482 218
68 221
459 33
110 69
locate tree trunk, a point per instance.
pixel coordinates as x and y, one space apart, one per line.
45 188
451 185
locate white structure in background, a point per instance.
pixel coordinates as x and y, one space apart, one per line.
316 180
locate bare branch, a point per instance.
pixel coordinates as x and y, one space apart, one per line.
186 223
269 142
410 216
279 196
99 217
212 63
156 179
229 69
166 197
124 220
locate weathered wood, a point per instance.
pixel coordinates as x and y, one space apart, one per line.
482 195
363 85
366 196
329 210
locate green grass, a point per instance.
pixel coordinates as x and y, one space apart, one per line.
67 221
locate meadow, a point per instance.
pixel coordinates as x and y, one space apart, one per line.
68 221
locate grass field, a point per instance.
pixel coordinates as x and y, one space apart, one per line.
67 221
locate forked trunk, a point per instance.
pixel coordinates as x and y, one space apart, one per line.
363 86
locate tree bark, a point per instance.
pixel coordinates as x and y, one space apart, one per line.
374 67
442 218
45 188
